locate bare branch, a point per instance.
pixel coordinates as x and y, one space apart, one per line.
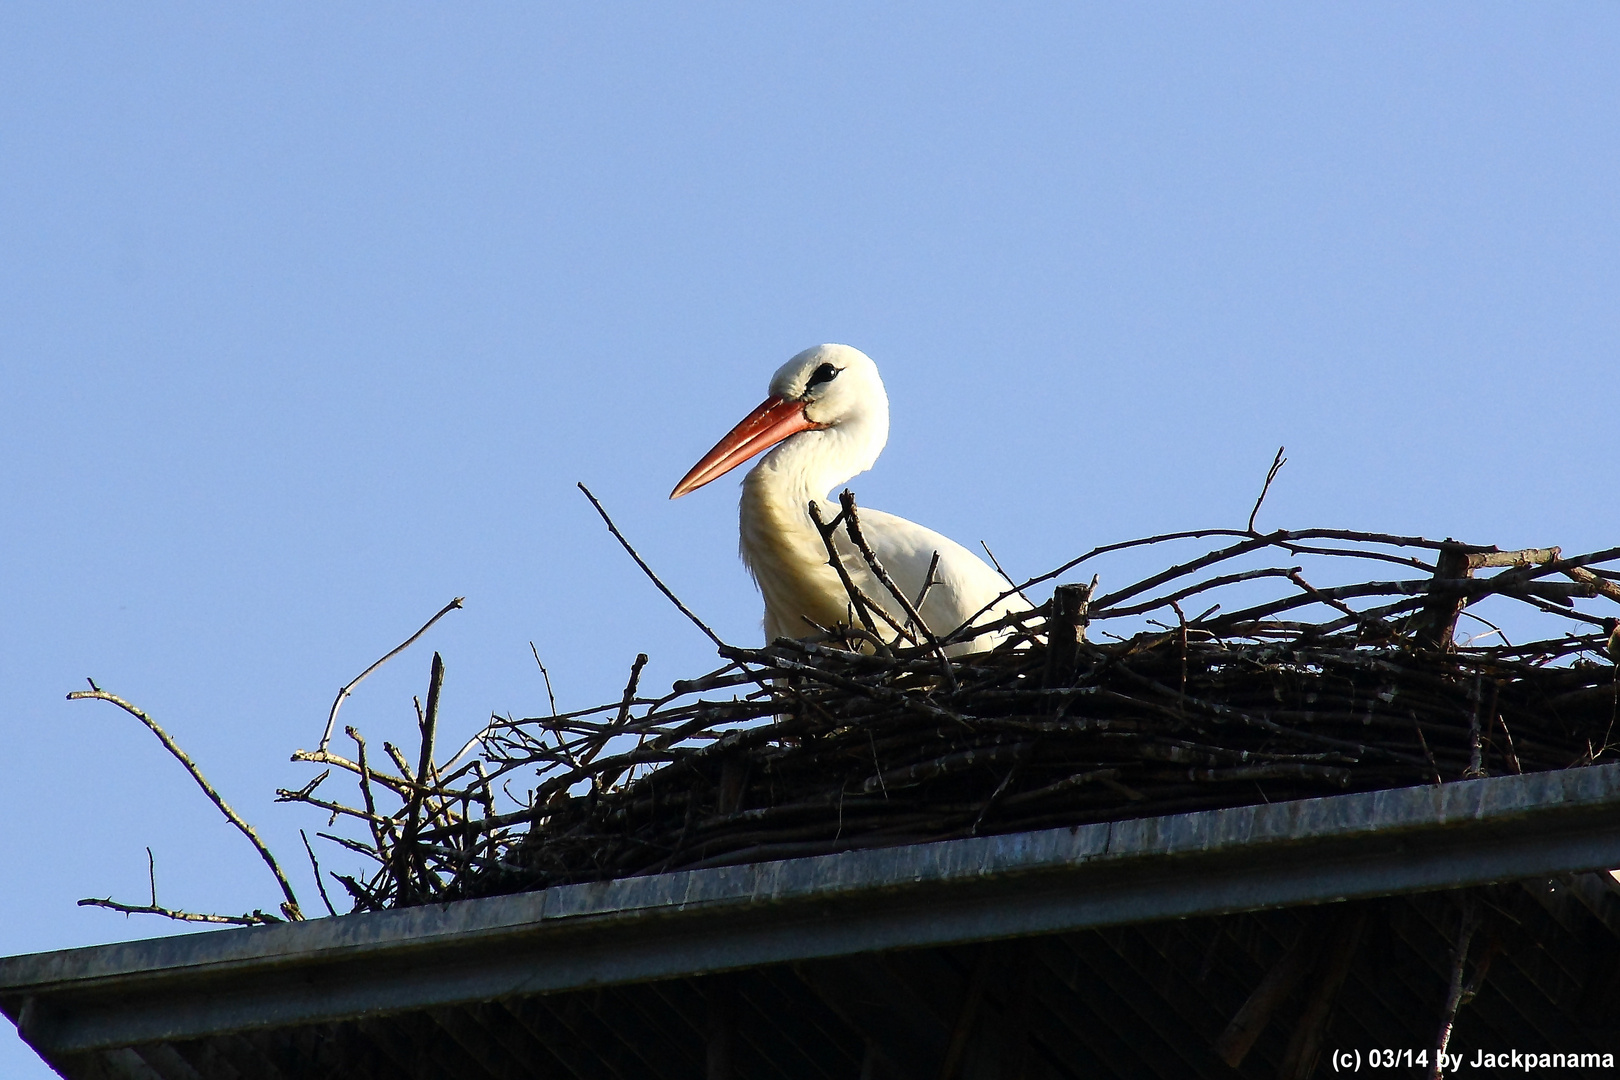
617 535
257 918
929 581
1271 474
1004 576
852 523
290 907
546 675
337 703
863 605
314 865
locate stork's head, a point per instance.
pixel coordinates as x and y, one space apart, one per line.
828 400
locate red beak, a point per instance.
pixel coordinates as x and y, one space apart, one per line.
773 421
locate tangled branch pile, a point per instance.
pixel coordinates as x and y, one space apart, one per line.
858 739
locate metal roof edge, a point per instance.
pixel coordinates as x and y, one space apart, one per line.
1498 800
1241 858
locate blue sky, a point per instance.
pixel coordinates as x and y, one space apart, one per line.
311 317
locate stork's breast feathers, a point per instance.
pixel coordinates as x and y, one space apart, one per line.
789 563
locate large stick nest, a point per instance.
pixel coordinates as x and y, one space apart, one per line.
1097 706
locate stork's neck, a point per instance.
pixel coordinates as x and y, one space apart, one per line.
779 542
810 464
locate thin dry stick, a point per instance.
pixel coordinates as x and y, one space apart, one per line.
334 808
629 696
852 525
1467 924
1103 549
546 675
95 693
617 535
424 780
399 785
1191 590
1512 754
857 599
469 744
365 792
1586 577
331 718
1271 474
399 759
1476 768
1379 628
305 793
626 700
1251 542
257 918
314 865
929 581
1433 767
1004 575
1181 620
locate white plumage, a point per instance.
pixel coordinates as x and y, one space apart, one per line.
827 418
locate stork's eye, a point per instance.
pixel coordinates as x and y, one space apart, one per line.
824 373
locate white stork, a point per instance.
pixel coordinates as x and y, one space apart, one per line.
828 418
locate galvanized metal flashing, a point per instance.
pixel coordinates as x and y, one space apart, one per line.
636 929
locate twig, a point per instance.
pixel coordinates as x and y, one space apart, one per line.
468 745
334 808
1512 754
290 906
617 535
852 524
1271 474
1467 923
929 581
1192 590
397 784
629 696
398 758
361 894
377 834
1004 576
257 918
858 600
355 846
331 718
314 865
424 778
302 794
1274 988
1476 748
598 744
1382 631
1434 768
546 675
1281 537
1181 626
1586 577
